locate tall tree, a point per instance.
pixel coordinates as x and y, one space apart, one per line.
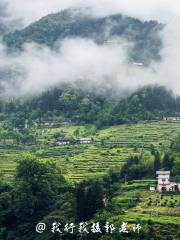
157 161
36 188
90 198
167 162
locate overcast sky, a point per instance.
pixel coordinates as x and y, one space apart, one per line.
162 10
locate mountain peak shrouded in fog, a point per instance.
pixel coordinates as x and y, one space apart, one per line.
106 49
124 44
76 23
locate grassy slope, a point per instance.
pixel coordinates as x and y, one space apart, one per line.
167 207
83 161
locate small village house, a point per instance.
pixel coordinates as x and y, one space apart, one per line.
49 124
153 188
165 182
46 124
87 140
171 118
64 141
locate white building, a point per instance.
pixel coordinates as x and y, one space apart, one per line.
64 141
164 182
152 188
87 140
139 64
171 118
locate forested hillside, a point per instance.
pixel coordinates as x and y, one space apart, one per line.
102 107
88 107
73 23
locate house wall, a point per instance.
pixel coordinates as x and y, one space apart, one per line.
160 187
163 179
171 118
163 182
168 187
173 185
85 142
63 143
152 189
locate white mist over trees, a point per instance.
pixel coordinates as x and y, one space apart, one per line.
83 58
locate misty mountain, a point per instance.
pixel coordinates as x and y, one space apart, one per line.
73 23
7 24
3 14
85 105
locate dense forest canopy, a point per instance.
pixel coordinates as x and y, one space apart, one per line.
88 107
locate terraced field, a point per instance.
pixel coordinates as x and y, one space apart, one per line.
111 148
141 206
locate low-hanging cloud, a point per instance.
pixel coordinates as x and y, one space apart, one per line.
41 68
